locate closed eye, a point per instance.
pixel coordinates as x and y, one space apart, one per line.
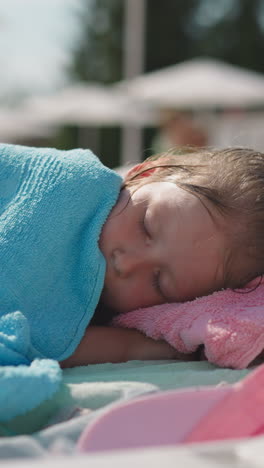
156 285
155 281
143 226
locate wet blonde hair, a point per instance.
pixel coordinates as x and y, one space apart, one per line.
230 183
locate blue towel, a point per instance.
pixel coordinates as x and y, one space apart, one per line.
53 205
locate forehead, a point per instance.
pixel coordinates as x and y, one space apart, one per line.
179 215
195 247
168 198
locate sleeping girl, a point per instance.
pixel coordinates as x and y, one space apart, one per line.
78 246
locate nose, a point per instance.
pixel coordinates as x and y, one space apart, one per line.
129 262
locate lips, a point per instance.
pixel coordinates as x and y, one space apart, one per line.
112 269
111 275
114 261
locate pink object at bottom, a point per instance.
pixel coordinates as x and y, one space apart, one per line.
181 416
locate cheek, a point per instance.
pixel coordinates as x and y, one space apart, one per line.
118 231
111 231
112 224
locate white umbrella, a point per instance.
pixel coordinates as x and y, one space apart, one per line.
198 83
16 124
88 105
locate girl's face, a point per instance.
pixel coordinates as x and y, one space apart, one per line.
161 245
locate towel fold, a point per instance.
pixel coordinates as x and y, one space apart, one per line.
53 205
229 324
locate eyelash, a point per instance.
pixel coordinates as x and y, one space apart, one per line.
155 283
143 226
155 278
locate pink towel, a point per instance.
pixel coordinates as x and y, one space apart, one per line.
229 324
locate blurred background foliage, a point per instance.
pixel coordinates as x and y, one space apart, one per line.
176 30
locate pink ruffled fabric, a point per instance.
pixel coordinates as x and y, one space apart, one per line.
229 324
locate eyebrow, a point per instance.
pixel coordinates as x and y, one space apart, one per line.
166 297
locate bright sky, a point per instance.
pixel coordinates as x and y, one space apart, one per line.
35 39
